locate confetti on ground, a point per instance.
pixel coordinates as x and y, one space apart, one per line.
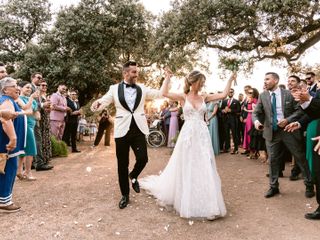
89 225
88 169
190 223
57 234
41 223
117 233
166 227
100 219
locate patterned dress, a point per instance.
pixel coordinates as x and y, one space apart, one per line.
45 132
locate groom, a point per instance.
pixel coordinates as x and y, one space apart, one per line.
130 126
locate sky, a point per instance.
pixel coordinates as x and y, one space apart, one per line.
214 81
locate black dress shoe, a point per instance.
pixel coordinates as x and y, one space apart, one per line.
309 192
234 152
135 185
44 167
294 177
124 201
280 175
271 192
76 151
313 216
245 152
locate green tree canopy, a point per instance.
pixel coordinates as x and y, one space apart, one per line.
21 22
261 29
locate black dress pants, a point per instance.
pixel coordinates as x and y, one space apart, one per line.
135 140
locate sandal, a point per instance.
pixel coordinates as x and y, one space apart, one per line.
21 176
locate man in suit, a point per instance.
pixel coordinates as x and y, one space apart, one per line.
59 111
312 83
275 109
311 106
230 109
130 126
70 132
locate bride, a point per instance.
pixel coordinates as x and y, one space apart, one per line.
190 181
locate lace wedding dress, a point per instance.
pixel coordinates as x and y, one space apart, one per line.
190 182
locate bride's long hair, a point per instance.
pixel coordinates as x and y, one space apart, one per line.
191 78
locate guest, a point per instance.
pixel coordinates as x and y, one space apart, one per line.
269 111
58 112
12 140
165 116
82 126
230 109
249 106
212 120
312 83
105 126
72 120
40 161
44 124
174 124
92 129
25 160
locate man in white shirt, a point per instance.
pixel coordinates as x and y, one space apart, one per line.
275 109
130 126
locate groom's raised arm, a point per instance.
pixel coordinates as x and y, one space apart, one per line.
103 102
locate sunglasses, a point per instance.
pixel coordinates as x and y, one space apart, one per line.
43 85
308 78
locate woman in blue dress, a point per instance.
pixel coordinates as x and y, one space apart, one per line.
212 122
25 160
12 141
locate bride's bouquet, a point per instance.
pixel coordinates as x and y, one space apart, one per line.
232 64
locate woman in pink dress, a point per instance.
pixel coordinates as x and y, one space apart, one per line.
249 107
174 125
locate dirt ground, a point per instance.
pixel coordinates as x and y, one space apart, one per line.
79 200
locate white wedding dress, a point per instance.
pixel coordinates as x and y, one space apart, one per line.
190 182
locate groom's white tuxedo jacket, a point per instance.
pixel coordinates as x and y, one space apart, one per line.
124 114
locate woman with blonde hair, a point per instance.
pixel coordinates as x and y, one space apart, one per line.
190 182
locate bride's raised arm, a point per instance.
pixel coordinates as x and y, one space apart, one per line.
224 94
165 89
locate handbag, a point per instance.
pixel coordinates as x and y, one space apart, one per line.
3 162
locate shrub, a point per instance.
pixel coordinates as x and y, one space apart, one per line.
59 148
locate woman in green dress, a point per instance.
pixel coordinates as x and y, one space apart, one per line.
32 113
212 121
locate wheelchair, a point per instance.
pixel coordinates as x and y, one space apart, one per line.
156 137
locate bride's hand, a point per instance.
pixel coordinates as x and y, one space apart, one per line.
167 73
234 77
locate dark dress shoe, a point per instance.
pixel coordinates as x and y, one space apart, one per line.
294 177
272 192
313 216
135 185
280 175
234 152
44 167
76 151
124 201
309 192
245 152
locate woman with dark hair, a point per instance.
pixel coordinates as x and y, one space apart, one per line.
249 106
104 127
25 160
12 141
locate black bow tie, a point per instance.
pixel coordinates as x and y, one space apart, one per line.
130 85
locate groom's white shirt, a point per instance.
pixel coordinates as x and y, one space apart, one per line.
124 115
